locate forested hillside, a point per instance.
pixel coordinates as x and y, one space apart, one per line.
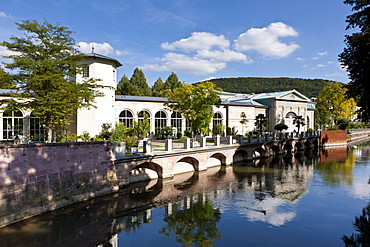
308 87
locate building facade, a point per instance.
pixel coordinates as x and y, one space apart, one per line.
279 107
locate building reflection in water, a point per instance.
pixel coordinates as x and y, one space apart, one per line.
264 190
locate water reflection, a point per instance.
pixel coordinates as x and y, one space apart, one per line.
362 226
336 166
193 223
192 205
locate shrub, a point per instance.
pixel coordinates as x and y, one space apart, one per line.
218 129
187 133
118 133
68 137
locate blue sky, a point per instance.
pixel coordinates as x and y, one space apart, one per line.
200 39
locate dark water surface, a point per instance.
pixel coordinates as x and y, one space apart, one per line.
309 199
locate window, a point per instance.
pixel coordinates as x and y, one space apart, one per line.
142 115
37 130
187 125
217 119
290 115
12 124
85 71
126 118
160 120
308 122
176 120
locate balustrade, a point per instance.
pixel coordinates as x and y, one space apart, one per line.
171 145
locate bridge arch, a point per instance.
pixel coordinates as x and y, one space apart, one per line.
219 156
299 145
260 151
240 155
288 147
145 171
277 149
186 164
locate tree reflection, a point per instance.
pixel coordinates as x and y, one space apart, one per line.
362 226
194 225
337 172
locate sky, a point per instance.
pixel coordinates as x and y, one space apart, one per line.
199 39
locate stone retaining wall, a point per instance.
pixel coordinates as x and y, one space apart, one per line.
35 178
333 137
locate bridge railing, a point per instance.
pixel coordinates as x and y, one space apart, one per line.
173 145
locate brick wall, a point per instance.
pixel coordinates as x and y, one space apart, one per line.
35 178
333 137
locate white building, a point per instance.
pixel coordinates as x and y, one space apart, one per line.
278 107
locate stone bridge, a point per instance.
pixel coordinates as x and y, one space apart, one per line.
164 164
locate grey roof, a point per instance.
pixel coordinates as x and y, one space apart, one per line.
140 98
237 103
96 55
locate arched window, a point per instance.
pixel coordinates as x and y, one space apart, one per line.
176 120
308 122
12 124
290 115
142 115
37 130
217 119
126 117
160 120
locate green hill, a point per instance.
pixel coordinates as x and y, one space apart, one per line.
248 85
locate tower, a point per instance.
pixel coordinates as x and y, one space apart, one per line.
103 69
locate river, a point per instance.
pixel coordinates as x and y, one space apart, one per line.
308 199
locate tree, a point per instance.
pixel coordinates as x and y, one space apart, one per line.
44 61
138 79
5 80
157 87
356 55
243 121
299 121
125 87
195 103
172 82
261 122
281 126
333 104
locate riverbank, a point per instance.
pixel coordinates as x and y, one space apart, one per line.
357 135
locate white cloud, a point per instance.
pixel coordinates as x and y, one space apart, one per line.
323 53
120 53
187 64
103 48
300 59
223 55
198 41
266 40
3 15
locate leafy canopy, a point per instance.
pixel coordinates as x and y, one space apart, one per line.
356 55
333 104
195 103
44 61
261 122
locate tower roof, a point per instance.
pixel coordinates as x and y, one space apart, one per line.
99 56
